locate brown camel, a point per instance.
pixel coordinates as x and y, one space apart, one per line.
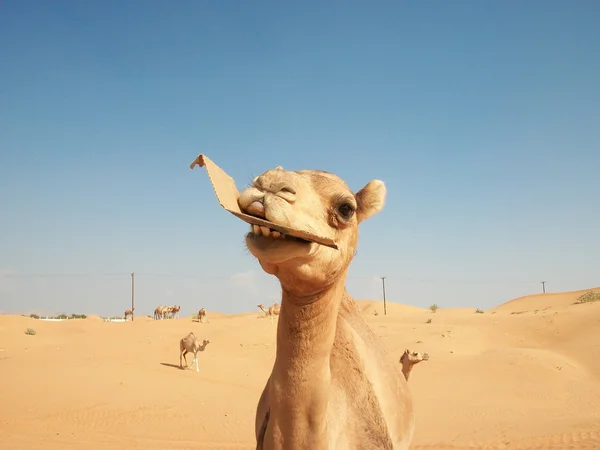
166 312
333 385
201 315
272 311
191 344
409 359
162 312
129 313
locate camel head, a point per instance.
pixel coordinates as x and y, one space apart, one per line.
412 358
314 201
205 342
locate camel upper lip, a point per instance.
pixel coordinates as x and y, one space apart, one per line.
256 209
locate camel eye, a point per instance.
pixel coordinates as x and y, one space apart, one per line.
346 210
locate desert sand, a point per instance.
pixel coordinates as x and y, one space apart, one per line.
523 375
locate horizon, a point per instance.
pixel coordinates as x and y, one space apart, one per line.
483 129
194 314
46 314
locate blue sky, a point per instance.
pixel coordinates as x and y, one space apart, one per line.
483 119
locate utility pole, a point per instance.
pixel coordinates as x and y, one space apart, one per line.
543 287
384 304
132 295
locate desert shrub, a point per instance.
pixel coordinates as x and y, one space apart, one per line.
428 321
30 331
34 316
434 307
479 311
588 297
375 313
78 316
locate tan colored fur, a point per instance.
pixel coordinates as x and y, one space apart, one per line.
165 312
272 311
333 384
409 359
191 344
129 313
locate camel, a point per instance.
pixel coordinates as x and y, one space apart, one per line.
272 311
333 384
158 312
409 359
166 312
129 313
191 344
201 314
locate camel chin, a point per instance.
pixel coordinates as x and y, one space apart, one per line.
272 247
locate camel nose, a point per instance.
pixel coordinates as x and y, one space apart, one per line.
276 181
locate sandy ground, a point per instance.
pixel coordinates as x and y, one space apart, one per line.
524 375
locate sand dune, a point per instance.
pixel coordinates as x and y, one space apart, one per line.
556 300
495 380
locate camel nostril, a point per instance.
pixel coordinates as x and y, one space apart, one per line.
288 190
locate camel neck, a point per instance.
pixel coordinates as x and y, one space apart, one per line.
406 369
301 375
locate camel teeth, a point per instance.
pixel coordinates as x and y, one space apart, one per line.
259 230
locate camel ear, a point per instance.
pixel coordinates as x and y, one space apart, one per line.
370 199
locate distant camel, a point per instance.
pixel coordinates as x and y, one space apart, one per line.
191 344
272 311
129 312
201 314
158 312
166 312
409 359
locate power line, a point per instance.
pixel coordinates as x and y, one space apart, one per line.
384 303
40 275
197 276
